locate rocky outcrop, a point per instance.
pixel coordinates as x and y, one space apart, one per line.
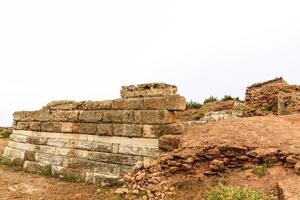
95 141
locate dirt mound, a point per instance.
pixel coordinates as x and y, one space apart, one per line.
266 146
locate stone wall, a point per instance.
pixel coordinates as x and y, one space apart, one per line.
262 98
288 103
95 141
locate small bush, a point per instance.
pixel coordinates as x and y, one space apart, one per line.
69 178
260 170
210 99
222 192
193 105
5 134
269 108
4 161
105 188
198 116
227 98
47 171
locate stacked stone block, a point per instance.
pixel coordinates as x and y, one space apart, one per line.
95 140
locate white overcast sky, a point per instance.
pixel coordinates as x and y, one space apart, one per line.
87 49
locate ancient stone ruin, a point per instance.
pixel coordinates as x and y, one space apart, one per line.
95 141
275 96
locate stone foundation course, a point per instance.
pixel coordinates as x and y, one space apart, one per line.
95 141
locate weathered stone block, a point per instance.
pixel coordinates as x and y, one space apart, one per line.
34 167
37 140
129 130
18 138
64 116
113 158
105 129
155 116
118 116
51 127
85 128
170 102
13 153
95 105
91 116
31 156
50 159
30 116
62 105
67 127
34 126
138 150
128 104
21 146
148 90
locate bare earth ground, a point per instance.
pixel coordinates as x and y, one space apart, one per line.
24 186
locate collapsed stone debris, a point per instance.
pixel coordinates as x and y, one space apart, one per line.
95 141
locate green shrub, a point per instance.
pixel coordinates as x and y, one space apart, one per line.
260 170
69 178
5 134
210 99
47 171
193 105
222 192
5 161
269 108
227 98
198 116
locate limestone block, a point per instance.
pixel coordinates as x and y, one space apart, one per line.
148 90
34 126
67 127
170 102
31 156
50 159
155 116
130 130
64 116
51 126
34 167
62 105
30 116
156 131
128 104
85 128
95 105
91 116
92 166
104 129
57 142
13 153
18 138
138 150
21 146
113 158
106 179
118 116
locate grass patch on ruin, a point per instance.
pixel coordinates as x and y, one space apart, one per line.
47 171
5 161
260 170
5 134
222 192
198 116
69 178
193 105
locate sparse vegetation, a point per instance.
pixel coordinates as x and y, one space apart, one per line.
105 188
117 197
47 171
198 116
4 161
69 178
227 98
5 134
269 108
193 105
211 99
260 170
222 192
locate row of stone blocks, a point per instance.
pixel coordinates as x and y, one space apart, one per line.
90 157
94 140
